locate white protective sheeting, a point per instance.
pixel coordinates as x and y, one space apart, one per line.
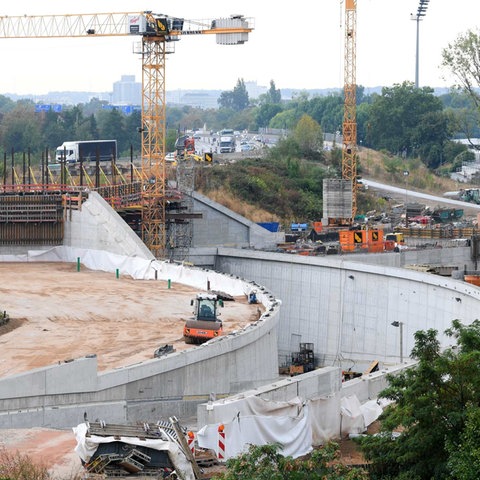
324 413
139 268
371 410
352 418
293 433
357 417
87 446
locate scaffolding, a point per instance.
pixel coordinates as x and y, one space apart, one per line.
180 226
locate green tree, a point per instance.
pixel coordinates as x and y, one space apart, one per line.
111 126
273 95
265 113
22 128
462 59
396 115
309 137
435 406
237 99
464 456
266 463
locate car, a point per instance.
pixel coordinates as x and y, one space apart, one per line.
170 157
247 147
197 136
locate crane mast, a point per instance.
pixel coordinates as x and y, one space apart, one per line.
349 151
156 31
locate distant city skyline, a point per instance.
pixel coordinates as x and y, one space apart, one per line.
299 48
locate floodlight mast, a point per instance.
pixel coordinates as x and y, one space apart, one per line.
421 12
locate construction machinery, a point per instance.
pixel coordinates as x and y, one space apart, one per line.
470 195
340 194
158 33
205 324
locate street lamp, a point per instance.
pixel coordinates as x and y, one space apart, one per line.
421 12
399 324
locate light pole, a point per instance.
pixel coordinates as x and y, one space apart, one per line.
400 324
421 12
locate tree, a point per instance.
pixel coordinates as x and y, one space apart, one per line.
396 115
309 136
435 406
265 113
111 126
265 463
237 99
273 95
22 128
462 59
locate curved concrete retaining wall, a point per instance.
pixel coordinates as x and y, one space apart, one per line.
346 308
59 395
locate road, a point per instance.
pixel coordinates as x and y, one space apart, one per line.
432 201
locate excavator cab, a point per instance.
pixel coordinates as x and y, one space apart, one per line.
205 324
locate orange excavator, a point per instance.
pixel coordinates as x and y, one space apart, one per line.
205 324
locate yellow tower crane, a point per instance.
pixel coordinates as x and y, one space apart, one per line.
157 32
349 151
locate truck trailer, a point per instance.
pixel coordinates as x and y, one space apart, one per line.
87 151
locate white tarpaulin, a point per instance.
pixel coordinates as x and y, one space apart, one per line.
324 413
352 418
292 432
357 417
87 446
140 269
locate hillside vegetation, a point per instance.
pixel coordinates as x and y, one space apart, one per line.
274 187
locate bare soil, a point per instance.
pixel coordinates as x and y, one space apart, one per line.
57 314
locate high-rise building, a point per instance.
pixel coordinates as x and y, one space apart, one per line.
127 91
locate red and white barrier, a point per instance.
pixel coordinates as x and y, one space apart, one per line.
221 443
191 442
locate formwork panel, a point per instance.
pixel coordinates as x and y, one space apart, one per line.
31 219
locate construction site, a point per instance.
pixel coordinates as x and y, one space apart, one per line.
100 280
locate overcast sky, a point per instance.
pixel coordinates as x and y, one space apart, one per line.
296 44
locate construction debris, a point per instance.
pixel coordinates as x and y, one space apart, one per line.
156 450
164 350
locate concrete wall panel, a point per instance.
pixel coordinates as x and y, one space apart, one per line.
346 309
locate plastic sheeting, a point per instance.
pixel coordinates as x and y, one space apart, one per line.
293 433
296 424
357 417
87 446
324 413
141 269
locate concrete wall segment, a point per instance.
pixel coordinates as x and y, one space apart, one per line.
174 384
346 308
96 226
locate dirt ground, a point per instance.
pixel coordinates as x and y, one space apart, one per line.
59 314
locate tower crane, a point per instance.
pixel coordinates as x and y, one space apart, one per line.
349 150
157 32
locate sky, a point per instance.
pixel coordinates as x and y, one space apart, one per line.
297 45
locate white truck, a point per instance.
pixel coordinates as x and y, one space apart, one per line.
87 150
227 144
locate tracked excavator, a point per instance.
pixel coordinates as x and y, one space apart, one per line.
205 324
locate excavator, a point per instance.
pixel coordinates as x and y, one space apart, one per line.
205 324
